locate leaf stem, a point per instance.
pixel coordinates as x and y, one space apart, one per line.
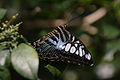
12 20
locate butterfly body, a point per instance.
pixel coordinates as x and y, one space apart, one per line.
60 45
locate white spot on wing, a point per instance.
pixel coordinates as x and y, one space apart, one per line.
60 46
72 50
91 65
76 52
67 47
80 50
82 46
77 41
73 38
88 56
83 52
76 45
63 47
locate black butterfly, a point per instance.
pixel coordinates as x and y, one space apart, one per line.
60 45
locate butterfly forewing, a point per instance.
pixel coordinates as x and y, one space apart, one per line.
61 45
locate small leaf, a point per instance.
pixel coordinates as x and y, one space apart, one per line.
53 70
25 61
4 73
2 12
4 55
110 31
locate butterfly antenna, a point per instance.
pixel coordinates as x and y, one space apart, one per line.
71 16
68 22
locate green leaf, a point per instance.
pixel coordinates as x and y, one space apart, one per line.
25 61
4 73
53 70
113 45
111 48
4 55
110 31
2 12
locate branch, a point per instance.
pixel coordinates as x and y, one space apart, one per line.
90 19
95 16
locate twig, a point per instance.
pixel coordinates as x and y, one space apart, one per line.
95 16
90 19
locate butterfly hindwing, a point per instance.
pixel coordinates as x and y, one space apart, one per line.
60 45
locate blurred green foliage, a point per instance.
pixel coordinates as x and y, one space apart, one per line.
104 45
4 72
2 12
53 70
13 47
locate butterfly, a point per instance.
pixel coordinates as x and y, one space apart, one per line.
61 45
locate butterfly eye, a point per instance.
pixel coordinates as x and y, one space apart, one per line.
61 45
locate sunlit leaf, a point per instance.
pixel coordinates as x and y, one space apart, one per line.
2 12
53 70
4 73
25 61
